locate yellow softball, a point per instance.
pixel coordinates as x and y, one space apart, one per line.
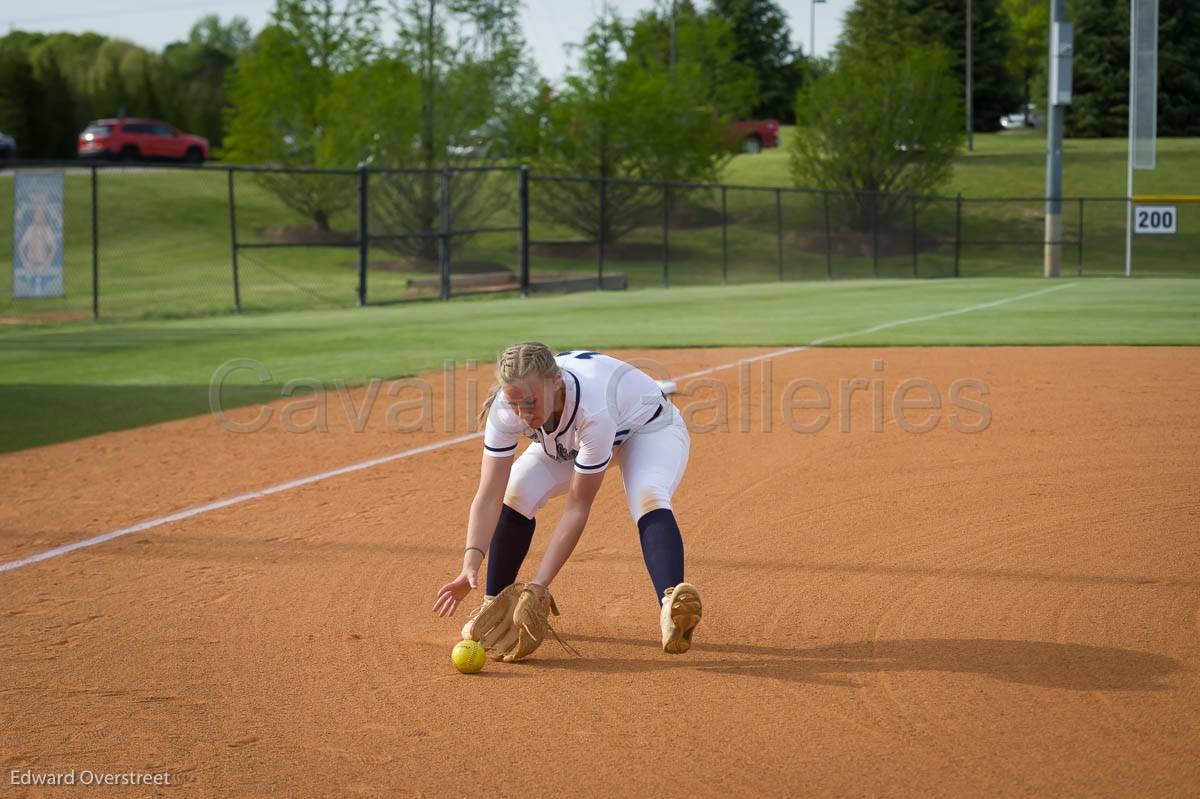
468 656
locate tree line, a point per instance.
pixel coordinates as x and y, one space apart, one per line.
52 85
321 85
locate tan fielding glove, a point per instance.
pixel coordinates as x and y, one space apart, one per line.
516 622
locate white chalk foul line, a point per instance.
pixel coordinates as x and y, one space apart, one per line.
240 498
357 467
867 331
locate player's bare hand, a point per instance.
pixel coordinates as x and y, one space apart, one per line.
454 592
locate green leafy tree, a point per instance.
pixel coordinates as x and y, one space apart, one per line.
74 57
458 76
44 100
198 67
763 44
621 117
229 39
527 119
703 42
872 25
705 70
129 80
377 104
280 99
23 100
62 65
53 85
889 125
470 58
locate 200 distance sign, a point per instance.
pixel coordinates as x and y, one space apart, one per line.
1154 219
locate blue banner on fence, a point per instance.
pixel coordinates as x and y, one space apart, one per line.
38 235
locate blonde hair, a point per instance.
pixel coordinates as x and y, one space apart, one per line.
516 363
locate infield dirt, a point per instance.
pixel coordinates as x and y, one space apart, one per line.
1013 611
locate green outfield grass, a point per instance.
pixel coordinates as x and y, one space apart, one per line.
64 381
1013 164
165 234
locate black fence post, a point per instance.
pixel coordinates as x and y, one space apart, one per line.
957 232
233 244
444 234
779 231
1079 265
915 241
724 238
523 201
875 233
95 249
666 235
364 238
600 235
828 239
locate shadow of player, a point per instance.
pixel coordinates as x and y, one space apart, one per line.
1075 667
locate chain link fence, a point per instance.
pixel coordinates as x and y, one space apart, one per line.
148 240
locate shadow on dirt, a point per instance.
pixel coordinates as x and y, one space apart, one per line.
32 415
1073 667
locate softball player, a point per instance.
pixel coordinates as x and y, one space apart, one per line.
584 412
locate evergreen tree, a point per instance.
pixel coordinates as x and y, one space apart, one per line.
763 43
1100 101
1179 68
1100 68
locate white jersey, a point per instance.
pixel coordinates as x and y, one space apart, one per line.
607 400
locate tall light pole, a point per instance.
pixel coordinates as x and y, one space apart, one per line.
1062 42
674 11
812 27
970 100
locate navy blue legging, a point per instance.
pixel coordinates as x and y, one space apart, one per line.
662 549
510 545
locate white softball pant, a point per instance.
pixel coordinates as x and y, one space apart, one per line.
652 463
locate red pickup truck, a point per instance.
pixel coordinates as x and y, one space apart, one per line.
753 135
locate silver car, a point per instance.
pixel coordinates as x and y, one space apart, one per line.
1028 117
8 146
